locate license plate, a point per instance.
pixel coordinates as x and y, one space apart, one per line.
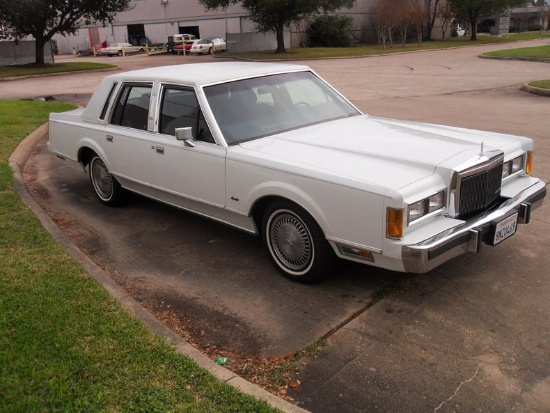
505 228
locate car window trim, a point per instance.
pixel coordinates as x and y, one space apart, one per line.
126 86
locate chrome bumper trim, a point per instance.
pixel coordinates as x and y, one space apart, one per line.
468 237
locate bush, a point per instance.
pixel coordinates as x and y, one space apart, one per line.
330 31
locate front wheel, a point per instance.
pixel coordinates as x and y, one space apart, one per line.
106 187
296 244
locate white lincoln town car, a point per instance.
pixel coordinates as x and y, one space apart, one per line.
274 150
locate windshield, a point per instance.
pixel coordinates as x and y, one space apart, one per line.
253 108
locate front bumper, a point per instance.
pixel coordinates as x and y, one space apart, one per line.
469 236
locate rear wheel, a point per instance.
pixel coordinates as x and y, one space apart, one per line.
105 185
119 53
296 244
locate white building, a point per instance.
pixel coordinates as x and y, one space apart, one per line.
158 19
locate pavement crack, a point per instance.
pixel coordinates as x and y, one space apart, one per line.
462 383
388 289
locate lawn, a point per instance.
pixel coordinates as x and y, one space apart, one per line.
543 84
369 50
65 344
540 52
31 69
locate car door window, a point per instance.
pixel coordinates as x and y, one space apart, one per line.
108 101
180 109
132 107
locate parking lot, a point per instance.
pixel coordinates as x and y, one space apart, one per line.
472 335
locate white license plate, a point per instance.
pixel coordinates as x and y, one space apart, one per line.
505 228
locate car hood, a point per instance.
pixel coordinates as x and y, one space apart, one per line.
376 151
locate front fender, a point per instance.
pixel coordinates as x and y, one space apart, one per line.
350 215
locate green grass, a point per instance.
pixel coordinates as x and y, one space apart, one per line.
29 70
540 52
543 84
368 50
65 344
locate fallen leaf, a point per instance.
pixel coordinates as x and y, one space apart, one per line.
295 383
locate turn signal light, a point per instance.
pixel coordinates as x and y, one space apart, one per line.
529 163
394 223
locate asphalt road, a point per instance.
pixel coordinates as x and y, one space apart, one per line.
472 335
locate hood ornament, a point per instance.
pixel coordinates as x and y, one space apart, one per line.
481 153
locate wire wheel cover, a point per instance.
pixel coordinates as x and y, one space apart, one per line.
291 241
102 179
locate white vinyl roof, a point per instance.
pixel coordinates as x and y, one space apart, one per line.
206 73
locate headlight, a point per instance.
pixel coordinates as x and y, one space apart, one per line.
426 206
513 166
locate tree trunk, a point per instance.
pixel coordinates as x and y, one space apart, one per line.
473 26
473 36
39 50
431 15
280 38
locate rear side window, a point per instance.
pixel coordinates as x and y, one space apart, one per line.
132 106
108 101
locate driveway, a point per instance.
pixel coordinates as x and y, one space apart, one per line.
472 335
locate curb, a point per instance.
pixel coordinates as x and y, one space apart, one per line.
536 90
17 161
519 59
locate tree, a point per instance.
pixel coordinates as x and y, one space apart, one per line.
330 30
43 19
403 19
387 16
544 17
418 16
431 9
274 15
446 16
473 10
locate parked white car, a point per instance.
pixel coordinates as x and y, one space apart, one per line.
274 150
119 49
208 45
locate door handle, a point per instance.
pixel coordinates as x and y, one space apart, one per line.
159 149
109 138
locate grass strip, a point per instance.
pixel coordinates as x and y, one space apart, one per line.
65 344
32 69
369 50
543 84
540 52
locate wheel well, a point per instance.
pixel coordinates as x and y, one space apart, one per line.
85 155
260 206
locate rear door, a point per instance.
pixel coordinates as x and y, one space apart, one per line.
127 140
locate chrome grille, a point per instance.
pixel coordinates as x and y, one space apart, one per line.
477 187
479 191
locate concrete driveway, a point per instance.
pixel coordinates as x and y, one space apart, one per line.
472 335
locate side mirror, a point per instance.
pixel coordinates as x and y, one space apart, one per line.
185 135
